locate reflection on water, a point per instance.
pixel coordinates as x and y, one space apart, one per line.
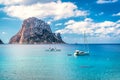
32 62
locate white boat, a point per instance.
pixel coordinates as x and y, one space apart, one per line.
80 53
86 49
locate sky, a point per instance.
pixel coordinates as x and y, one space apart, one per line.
99 19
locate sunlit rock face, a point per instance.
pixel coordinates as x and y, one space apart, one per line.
1 41
35 31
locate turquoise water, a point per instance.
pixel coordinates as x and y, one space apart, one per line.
32 62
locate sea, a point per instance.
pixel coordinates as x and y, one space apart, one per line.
34 62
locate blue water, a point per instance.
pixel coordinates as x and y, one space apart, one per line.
32 62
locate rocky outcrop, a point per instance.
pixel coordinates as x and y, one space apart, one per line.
35 31
1 41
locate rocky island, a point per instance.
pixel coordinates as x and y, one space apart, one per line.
1 41
36 31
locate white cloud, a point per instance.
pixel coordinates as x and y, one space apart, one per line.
3 33
77 27
49 22
118 14
106 24
7 2
88 20
106 1
55 10
70 22
25 2
100 29
99 14
58 24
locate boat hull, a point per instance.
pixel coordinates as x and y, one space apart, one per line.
81 54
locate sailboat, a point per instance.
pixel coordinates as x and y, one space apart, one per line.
86 48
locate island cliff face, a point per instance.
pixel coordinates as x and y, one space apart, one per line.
1 41
36 31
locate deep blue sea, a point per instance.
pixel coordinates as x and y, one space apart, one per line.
33 62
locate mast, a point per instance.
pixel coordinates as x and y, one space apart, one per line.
84 40
86 46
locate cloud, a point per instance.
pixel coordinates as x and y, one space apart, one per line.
93 29
24 2
70 22
49 22
118 14
106 1
99 14
3 33
7 2
58 24
55 10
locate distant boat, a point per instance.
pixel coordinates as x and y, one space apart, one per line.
53 49
86 48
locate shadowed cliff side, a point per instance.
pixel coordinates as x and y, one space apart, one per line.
1 41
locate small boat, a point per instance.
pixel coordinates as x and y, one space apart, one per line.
85 51
53 49
80 53
69 54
